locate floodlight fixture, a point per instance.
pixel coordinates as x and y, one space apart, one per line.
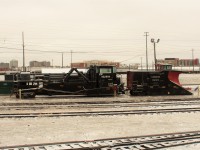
152 40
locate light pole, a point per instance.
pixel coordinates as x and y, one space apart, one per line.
24 69
71 58
154 45
146 34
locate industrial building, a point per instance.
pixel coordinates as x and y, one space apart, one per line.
4 66
176 62
40 64
87 64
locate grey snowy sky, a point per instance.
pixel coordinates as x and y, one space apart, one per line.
98 29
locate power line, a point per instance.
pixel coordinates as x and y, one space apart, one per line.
122 51
131 58
71 58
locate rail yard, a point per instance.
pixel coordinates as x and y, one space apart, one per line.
61 122
99 75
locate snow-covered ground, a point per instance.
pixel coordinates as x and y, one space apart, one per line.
62 129
40 130
185 147
189 78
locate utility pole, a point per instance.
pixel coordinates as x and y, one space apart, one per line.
155 60
62 59
71 58
146 34
23 51
193 59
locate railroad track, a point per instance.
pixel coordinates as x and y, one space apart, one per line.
150 142
113 104
88 101
101 113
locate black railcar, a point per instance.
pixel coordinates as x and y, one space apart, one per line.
97 81
164 82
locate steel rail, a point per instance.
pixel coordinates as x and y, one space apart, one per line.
113 105
100 113
102 103
149 142
97 101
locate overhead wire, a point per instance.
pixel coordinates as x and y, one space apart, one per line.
127 49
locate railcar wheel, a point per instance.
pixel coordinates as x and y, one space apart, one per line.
17 95
133 93
32 95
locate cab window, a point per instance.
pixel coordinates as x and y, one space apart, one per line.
105 70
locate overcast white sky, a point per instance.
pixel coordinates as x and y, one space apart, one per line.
98 29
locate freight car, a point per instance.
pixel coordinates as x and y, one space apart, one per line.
165 82
97 81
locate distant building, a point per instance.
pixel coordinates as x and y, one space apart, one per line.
45 63
175 62
87 64
4 66
172 61
189 62
14 63
40 64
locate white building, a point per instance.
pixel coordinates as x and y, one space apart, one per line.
14 63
